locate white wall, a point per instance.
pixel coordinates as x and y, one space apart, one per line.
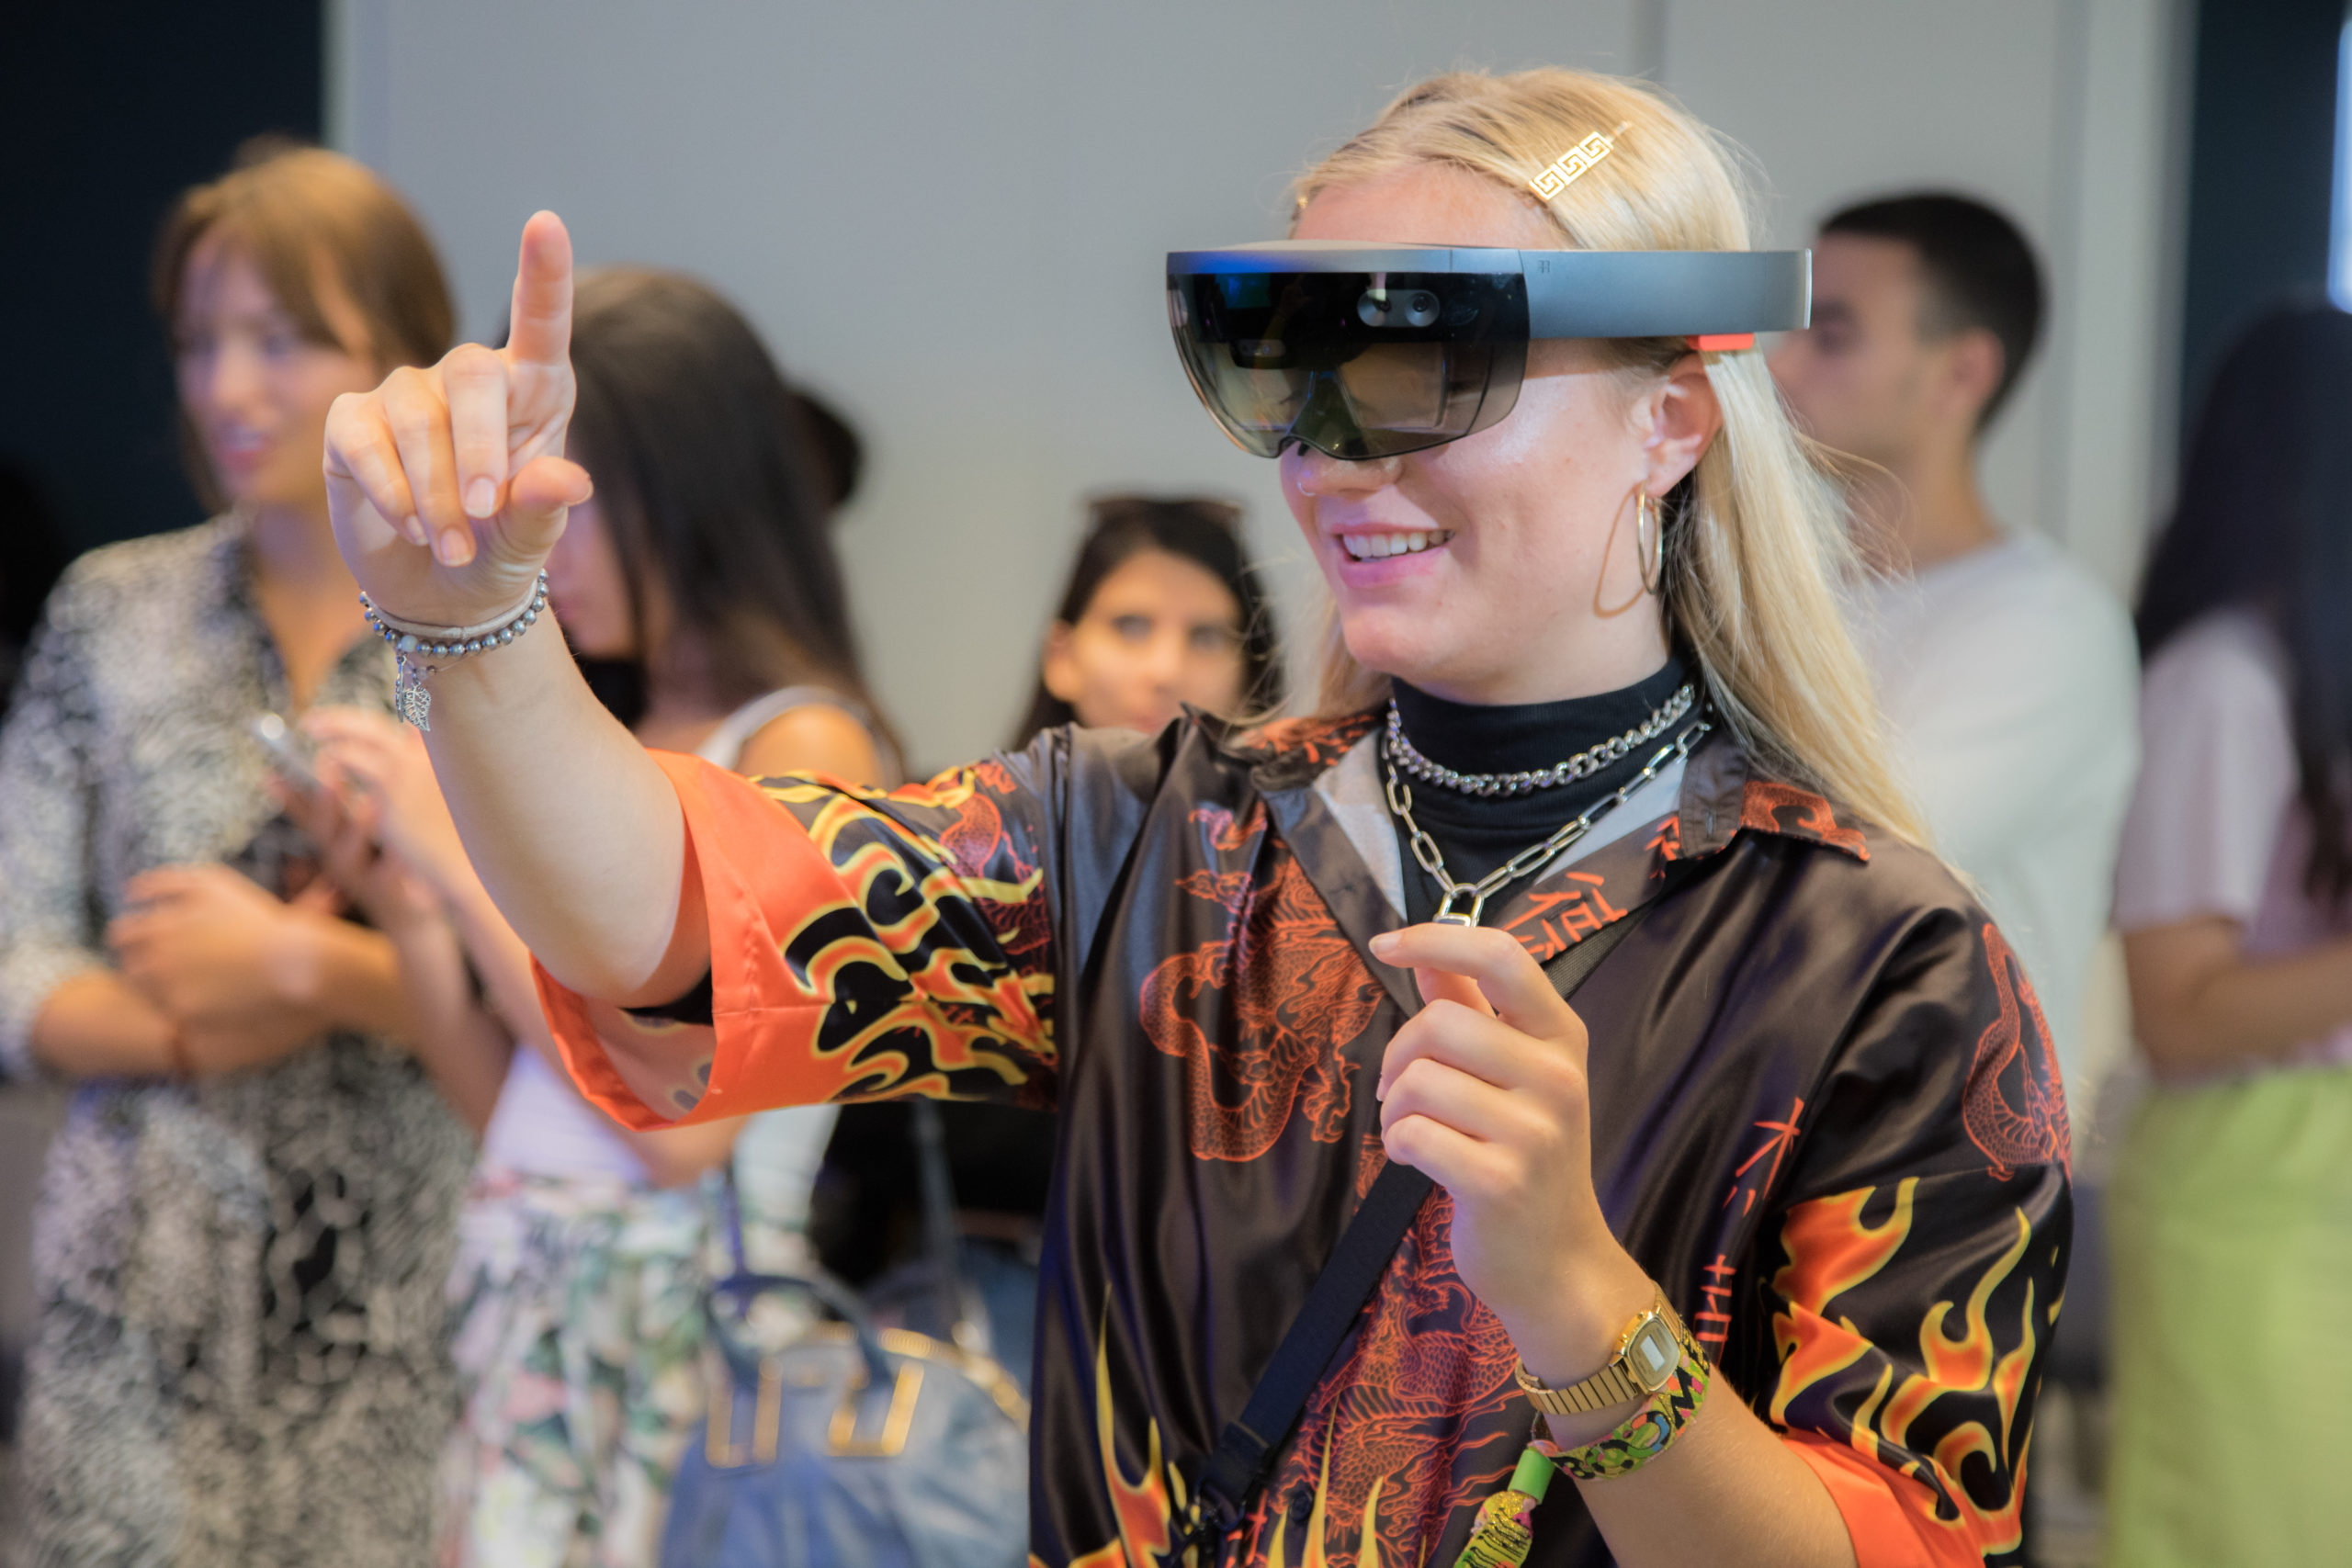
950 220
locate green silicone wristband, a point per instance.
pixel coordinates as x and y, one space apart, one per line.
1533 1475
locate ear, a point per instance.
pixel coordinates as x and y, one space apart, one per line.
1680 418
1059 670
1973 369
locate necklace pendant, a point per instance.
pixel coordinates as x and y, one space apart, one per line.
1447 914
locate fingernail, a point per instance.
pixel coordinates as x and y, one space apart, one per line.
481 498
1384 945
414 529
455 548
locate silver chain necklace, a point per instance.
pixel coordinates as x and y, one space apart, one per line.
1583 765
1425 850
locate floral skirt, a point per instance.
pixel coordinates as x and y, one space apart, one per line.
578 1340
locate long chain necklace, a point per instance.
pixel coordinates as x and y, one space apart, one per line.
1425 850
1584 764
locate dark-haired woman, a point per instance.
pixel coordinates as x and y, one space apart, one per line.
701 581
2233 1194
1162 611
248 1217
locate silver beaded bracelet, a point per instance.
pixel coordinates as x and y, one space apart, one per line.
419 650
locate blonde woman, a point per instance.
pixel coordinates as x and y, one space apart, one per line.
1799 1145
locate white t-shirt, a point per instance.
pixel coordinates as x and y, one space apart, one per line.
2216 825
2010 681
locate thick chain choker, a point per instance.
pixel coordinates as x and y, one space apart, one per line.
1583 765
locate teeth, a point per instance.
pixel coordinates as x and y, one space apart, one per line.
1374 546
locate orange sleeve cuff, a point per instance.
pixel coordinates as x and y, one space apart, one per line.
1889 1517
761 875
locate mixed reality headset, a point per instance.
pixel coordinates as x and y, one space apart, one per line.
1369 351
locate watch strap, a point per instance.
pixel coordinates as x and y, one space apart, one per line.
1613 1384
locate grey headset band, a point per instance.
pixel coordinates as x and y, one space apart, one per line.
1572 293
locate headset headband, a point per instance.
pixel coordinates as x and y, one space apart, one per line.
1712 294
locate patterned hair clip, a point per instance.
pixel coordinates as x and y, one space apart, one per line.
1563 171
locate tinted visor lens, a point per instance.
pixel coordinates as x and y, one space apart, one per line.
1353 364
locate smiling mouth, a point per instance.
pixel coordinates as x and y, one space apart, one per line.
1377 546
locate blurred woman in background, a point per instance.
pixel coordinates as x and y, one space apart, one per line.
249 1214
2232 1203
1163 608
700 585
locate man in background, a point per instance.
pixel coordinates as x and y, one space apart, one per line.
2008 675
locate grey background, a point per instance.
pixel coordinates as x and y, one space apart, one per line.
951 221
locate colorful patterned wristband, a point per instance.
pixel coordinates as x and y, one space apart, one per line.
1645 1435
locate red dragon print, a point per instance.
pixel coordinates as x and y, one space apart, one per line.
1292 992
2030 1129
1309 742
1761 802
1431 1363
972 843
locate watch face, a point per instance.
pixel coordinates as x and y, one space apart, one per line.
1652 1354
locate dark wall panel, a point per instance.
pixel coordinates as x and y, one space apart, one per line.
106 112
2261 168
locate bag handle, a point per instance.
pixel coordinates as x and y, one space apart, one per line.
961 1308
1245 1450
744 1287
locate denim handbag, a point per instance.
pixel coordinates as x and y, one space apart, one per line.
852 1446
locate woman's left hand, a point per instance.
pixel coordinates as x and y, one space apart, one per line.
1484 1091
238 971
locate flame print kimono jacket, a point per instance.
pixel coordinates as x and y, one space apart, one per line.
1826 1117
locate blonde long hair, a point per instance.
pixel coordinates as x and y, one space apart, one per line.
1755 560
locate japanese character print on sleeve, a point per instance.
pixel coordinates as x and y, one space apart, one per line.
1912 1276
865 943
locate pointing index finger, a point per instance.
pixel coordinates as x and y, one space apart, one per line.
541 321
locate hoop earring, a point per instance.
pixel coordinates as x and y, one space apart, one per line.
1650 516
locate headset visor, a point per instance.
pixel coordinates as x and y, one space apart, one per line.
1353 364
1369 351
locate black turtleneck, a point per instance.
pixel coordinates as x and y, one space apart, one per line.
1476 834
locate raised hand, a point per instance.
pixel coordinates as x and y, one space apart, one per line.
449 485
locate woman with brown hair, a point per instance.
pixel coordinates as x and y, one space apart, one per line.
1770 1227
249 1216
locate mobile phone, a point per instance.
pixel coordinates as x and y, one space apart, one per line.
290 751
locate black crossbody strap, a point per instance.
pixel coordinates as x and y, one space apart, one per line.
1246 1448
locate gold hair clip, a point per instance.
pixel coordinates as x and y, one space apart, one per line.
1562 171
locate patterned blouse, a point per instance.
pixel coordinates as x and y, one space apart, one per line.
241 1354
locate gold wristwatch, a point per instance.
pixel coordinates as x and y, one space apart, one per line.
1654 1344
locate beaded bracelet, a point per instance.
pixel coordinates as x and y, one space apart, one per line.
414 644
1644 1435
